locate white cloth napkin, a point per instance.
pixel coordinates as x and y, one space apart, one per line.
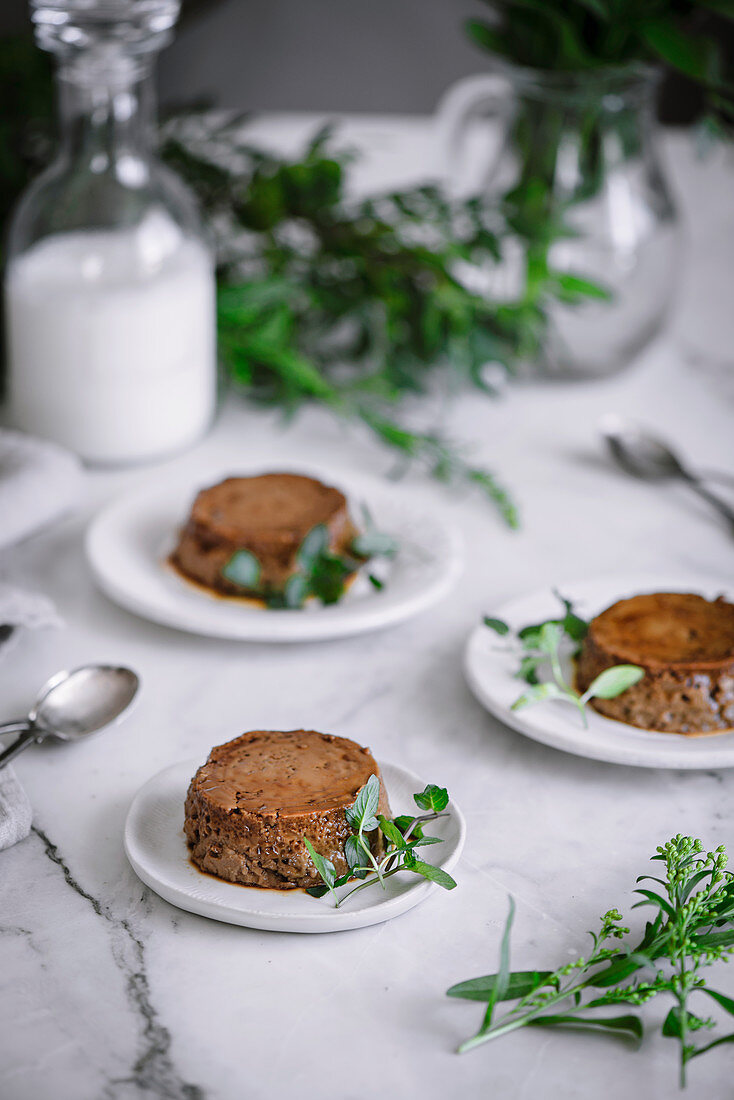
18 609
16 814
39 482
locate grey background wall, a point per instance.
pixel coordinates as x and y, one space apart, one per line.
359 55
333 55
356 55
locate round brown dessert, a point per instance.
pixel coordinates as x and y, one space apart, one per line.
685 644
250 806
268 515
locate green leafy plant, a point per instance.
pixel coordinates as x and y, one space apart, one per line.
402 836
358 304
693 927
543 645
319 573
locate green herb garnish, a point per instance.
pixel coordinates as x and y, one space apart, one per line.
243 569
320 573
692 928
402 835
543 645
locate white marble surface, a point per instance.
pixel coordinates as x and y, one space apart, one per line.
108 992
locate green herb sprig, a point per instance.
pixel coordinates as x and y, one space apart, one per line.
358 304
543 645
319 573
402 835
693 927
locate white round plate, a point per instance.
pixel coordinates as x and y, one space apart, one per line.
128 543
157 850
490 669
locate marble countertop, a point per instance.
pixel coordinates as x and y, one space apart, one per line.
109 992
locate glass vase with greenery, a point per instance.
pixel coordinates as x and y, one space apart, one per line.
575 82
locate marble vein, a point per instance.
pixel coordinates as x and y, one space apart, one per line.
153 1072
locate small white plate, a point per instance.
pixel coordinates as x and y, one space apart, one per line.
128 542
490 672
157 850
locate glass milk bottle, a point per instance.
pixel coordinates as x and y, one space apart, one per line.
109 287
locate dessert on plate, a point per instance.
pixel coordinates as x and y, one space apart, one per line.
684 643
264 519
249 807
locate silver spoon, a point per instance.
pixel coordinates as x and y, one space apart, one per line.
645 456
72 705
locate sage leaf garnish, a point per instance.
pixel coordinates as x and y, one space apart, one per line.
356 856
537 694
362 814
405 823
295 591
243 569
613 681
320 573
432 798
428 871
313 546
324 866
372 544
317 891
422 841
392 833
497 625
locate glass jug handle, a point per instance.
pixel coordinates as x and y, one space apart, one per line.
464 175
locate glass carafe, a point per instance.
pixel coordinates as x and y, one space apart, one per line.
109 286
577 156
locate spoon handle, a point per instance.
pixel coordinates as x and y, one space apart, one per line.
27 738
18 726
713 499
715 475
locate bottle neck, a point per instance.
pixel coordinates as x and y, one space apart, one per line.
107 117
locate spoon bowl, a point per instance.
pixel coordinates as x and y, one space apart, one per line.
639 453
75 704
643 455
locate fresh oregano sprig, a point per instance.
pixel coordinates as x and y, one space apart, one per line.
698 929
319 573
693 927
543 645
402 835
